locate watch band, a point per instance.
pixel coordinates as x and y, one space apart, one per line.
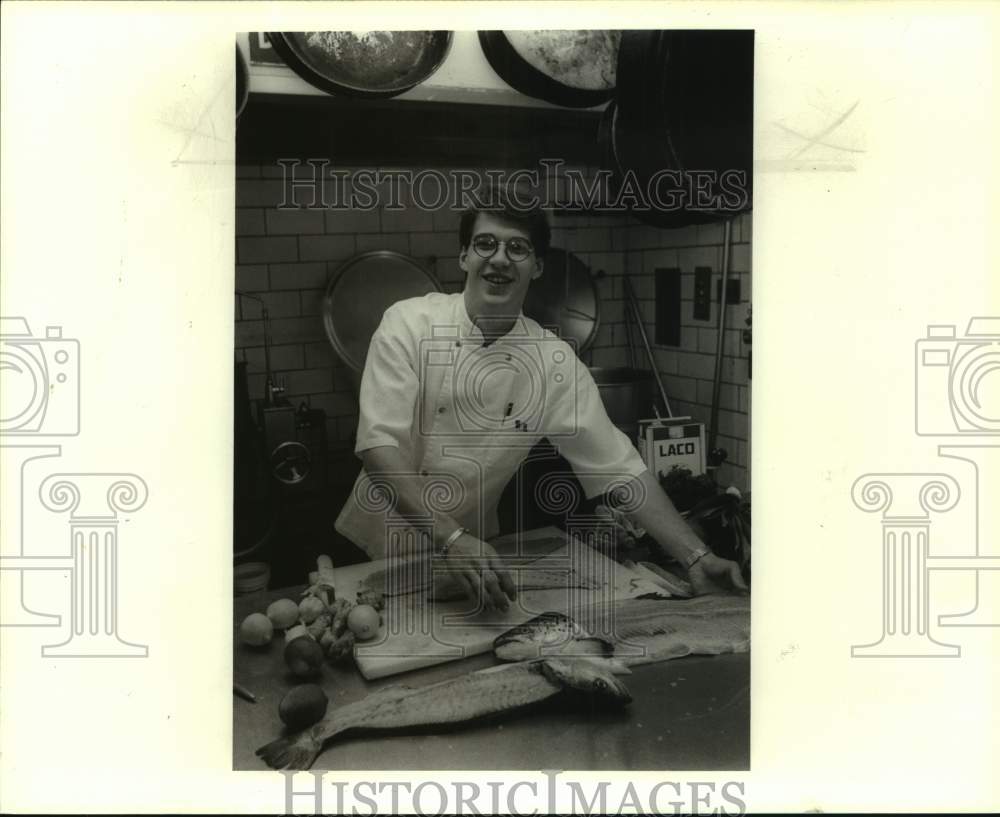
455 534
696 556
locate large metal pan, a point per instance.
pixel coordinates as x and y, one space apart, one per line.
365 64
358 295
565 298
684 104
574 69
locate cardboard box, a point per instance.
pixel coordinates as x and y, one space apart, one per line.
664 443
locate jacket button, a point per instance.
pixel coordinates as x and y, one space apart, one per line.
423 473
441 409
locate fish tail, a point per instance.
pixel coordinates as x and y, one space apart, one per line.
291 753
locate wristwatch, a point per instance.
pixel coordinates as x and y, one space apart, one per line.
455 534
696 556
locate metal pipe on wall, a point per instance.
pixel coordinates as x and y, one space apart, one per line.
720 337
630 297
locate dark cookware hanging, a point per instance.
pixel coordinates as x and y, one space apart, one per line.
575 69
365 64
242 81
685 104
605 138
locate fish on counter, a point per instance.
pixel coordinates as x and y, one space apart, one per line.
549 634
495 691
642 631
649 630
443 587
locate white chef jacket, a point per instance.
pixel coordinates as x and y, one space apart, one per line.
466 415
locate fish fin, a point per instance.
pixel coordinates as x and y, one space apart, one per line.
567 673
557 671
561 670
614 665
497 668
516 652
288 753
591 646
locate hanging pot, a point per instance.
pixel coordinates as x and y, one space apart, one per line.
639 153
619 151
242 81
575 69
685 104
606 140
367 64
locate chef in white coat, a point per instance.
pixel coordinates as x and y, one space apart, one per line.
458 388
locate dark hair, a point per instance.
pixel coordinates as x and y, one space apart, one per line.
497 203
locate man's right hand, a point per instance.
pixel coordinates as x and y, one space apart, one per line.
476 568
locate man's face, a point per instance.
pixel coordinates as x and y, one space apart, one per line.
496 286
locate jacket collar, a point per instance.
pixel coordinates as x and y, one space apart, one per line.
472 333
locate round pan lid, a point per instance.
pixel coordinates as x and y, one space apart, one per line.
358 295
370 64
565 299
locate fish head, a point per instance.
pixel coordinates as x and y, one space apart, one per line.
588 675
546 633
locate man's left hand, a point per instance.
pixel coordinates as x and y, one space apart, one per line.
710 574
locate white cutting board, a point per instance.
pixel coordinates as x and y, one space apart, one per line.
417 632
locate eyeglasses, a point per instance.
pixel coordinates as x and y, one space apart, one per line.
486 245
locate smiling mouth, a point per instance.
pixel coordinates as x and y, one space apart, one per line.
498 279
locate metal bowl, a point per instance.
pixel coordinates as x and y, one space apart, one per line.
365 64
